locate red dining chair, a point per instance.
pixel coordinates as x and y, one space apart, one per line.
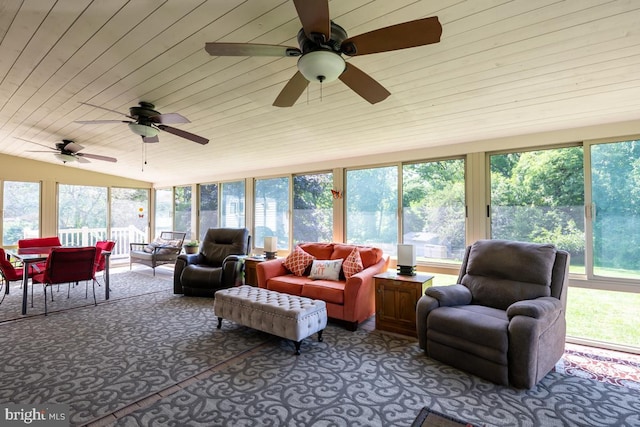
67 265
8 273
101 246
39 242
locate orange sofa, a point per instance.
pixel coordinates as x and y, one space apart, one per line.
350 300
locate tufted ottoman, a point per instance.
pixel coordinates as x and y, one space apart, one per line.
287 316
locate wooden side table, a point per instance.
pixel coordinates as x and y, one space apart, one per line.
396 299
250 273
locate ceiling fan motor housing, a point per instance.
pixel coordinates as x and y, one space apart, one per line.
321 60
316 42
144 112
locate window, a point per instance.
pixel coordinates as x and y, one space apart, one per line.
208 215
164 210
82 214
21 211
182 200
433 209
272 210
372 207
129 218
232 205
312 208
538 196
615 212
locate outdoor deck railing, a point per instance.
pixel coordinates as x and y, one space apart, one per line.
86 236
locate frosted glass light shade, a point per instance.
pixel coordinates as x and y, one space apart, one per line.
65 157
407 255
270 244
321 66
143 130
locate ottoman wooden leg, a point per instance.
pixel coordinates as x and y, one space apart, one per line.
298 348
219 322
320 335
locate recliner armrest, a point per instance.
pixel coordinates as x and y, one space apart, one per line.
451 295
535 308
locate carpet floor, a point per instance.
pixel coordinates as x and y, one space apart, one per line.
157 359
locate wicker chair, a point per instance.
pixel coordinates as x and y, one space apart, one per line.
164 250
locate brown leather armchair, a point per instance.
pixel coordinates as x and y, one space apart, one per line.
218 264
505 319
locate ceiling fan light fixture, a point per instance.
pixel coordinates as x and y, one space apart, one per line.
64 158
143 130
321 66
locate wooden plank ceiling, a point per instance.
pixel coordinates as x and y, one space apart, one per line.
503 67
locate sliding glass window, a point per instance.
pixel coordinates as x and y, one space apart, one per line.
182 203
164 210
615 209
271 214
129 218
208 211
433 209
372 207
82 214
538 196
21 211
312 208
232 204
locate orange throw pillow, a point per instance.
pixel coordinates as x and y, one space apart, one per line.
298 261
352 264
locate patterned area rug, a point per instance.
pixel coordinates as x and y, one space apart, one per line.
367 378
123 284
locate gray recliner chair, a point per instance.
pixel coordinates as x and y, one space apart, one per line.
217 265
504 320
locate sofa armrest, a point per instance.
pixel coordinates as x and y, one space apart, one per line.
536 308
267 269
359 293
232 270
451 295
181 262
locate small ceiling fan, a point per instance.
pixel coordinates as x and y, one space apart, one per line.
69 151
147 122
322 43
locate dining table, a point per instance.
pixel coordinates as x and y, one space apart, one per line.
31 256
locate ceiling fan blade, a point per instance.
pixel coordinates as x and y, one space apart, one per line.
401 36
363 84
291 91
250 49
184 134
97 157
169 118
40 151
36 143
73 147
99 122
81 159
106 109
314 15
153 138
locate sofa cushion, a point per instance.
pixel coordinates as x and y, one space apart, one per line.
325 269
325 290
352 264
298 260
318 250
368 254
288 284
474 329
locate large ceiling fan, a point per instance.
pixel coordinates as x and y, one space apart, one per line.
147 122
69 151
322 43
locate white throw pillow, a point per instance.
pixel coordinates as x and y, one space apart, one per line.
325 269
